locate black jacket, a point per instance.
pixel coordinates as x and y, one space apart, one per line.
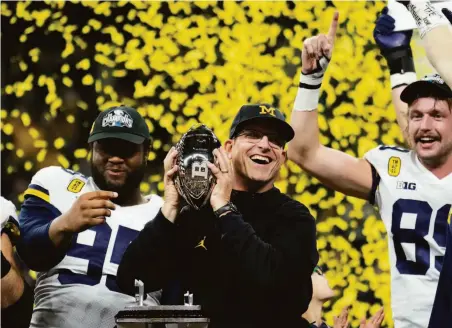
246 270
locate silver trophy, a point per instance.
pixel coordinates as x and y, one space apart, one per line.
194 181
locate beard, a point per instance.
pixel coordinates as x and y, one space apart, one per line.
125 189
439 157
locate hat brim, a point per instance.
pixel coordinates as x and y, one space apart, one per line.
280 126
133 138
420 89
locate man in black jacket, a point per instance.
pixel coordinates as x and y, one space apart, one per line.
247 258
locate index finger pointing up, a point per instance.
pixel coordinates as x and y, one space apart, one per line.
333 26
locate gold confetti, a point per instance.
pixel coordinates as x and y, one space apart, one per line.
177 68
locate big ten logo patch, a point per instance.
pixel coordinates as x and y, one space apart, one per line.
76 185
267 110
406 185
199 170
394 165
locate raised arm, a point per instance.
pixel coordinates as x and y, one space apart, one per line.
438 45
333 168
436 34
395 48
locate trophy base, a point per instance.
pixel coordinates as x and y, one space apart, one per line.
161 316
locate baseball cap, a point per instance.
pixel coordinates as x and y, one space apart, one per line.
262 112
427 86
120 122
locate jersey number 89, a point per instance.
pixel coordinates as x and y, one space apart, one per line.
416 236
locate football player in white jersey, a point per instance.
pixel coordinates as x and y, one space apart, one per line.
16 294
76 228
436 36
413 189
436 33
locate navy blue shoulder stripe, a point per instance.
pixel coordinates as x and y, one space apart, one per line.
34 204
375 182
38 187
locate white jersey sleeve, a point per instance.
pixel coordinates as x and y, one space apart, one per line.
414 206
386 162
57 186
8 212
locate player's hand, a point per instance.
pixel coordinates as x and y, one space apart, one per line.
385 37
90 209
170 207
316 47
221 193
373 322
342 320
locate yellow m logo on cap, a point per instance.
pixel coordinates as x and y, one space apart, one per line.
266 110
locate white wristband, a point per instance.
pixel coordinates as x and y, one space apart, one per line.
307 99
426 16
399 79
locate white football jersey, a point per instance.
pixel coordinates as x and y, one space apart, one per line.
414 205
8 211
81 290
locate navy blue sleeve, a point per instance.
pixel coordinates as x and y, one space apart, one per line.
154 257
36 248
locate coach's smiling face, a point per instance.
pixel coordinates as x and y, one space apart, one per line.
118 165
257 153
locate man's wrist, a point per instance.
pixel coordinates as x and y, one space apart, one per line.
59 232
307 99
426 16
169 212
223 214
400 60
398 80
219 204
60 226
308 93
225 209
